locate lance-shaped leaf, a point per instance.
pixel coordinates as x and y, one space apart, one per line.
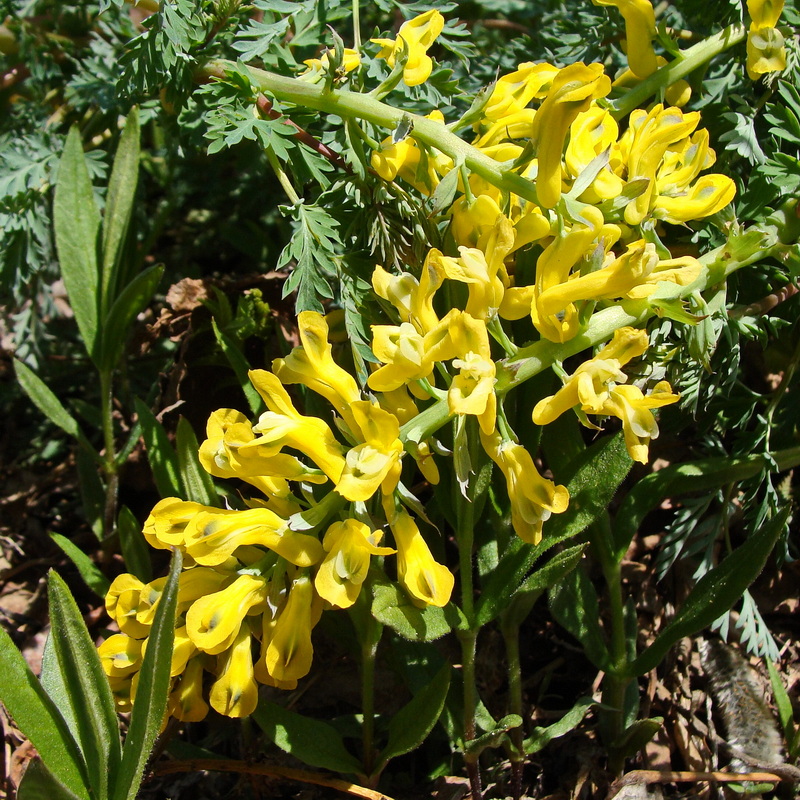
44 399
119 205
541 737
411 725
117 324
160 454
38 717
38 783
150 704
88 570
88 693
493 737
313 741
76 221
197 482
715 593
575 606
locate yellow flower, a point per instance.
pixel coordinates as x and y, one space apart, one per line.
350 61
212 537
235 692
472 390
412 298
186 701
165 526
591 133
228 452
764 13
704 197
375 463
283 426
349 545
632 407
427 582
533 498
573 90
513 92
420 166
416 35
126 598
213 622
312 365
120 655
640 30
588 385
289 652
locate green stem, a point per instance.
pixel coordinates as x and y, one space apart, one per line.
369 652
347 104
283 178
688 61
356 25
517 735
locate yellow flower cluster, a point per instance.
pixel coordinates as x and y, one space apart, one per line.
766 51
265 573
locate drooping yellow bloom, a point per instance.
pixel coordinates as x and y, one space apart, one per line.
533 498
640 30
289 653
120 655
597 386
416 35
283 426
375 463
349 545
213 622
427 582
512 92
591 133
766 51
186 701
312 365
573 89
420 166
235 692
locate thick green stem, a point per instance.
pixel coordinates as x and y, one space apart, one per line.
688 61
468 641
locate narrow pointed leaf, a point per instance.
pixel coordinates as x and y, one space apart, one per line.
117 324
541 737
715 593
135 550
197 482
38 783
91 575
37 716
241 367
411 725
150 704
160 453
88 692
76 221
119 205
312 741
44 399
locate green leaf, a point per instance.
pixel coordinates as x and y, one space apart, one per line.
541 737
41 396
76 221
715 593
785 710
393 607
160 453
135 550
241 367
543 578
493 737
87 688
150 704
592 480
93 492
198 483
119 205
38 783
91 575
411 725
575 607
38 717
637 736
117 324
312 741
